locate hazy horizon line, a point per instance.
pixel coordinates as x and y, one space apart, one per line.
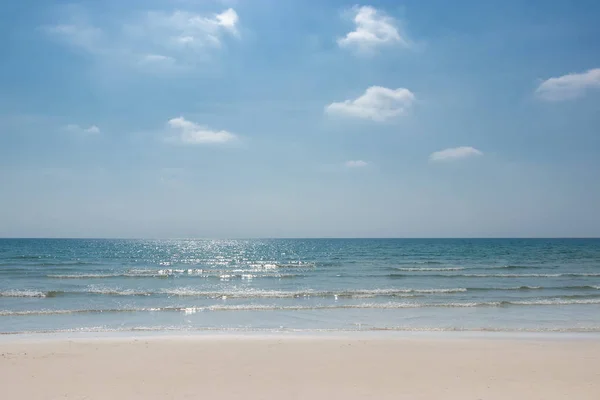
308 238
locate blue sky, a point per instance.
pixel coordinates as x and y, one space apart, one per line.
295 118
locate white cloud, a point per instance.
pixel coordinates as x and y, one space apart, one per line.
228 19
373 29
153 58
93 129
187 30
570 86
356 164
377 103
157 63
152 40
185 39
455 153
188 132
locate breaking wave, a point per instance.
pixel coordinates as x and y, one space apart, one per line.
260 307
572 275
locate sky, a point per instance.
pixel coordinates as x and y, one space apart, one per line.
298 118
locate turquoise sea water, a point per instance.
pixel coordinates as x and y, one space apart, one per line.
64 285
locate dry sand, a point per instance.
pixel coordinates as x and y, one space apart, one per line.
225 367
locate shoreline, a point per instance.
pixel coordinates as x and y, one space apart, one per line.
308 334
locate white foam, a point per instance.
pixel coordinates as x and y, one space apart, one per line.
116 292
266 307
427 269
513 275
22 293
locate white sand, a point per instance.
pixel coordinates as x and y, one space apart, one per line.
225 367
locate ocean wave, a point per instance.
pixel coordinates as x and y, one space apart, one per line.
241 294
28 265
237 294
558 275
223 275
525 287
255 293
468 267
84 276
275 265
259 307
428 269
421 263
491 289
266 307
450 290
31 293
581 287
25 257
29 269
580 296
553 301
513 267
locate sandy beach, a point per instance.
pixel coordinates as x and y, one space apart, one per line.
285 367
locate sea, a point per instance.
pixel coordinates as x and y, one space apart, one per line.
297 285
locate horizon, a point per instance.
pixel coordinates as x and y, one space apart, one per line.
275 119
303 238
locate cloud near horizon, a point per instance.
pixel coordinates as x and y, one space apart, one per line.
570 86
373 29
187 132
377 103
455 153
92 129
356 164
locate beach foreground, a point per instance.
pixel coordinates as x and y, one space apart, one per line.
270 367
